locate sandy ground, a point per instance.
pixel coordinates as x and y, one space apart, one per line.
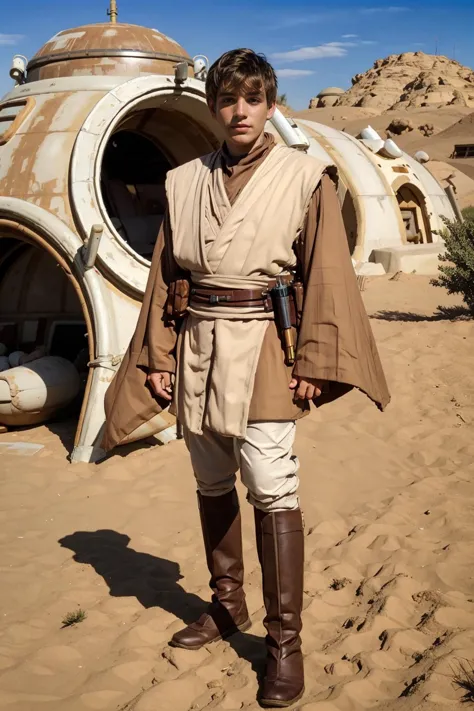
355 119
389 593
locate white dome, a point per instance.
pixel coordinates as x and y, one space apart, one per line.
330 91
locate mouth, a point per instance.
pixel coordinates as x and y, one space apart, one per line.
240 127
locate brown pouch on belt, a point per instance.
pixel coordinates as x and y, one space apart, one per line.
178 298
298 299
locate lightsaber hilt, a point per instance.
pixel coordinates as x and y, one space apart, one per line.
281 305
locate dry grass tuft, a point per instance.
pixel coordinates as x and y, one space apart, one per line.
463 678
73 618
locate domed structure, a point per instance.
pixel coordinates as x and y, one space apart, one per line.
326 97
330 91
106 48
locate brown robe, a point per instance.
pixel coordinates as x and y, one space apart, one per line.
335 341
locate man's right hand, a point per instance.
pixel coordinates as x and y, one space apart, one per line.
160 382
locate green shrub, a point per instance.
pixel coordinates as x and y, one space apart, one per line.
468 212
457 263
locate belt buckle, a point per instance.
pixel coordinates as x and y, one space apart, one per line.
215 299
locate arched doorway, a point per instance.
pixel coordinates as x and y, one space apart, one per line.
413 211
349 214
43 329
349 217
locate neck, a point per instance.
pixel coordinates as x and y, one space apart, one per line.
237 150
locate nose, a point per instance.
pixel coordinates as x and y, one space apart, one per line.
241 108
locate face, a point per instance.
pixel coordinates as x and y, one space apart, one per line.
242 114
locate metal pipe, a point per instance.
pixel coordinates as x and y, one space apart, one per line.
454 203
113 12
92 246
291 134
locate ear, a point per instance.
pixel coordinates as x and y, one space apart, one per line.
271 111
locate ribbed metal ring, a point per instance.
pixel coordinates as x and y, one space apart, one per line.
88 53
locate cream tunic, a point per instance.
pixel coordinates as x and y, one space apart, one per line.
232 246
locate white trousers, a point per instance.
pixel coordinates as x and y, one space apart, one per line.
265 458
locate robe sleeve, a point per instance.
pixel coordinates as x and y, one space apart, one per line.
335 340
158 352
310 340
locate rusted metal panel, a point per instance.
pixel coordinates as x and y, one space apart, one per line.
102 35
56 204
127 67
35 161
24 108
102 49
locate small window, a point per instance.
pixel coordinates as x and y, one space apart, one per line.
12 115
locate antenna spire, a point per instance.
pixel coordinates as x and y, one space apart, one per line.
113 11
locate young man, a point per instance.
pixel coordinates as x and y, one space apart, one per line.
236 220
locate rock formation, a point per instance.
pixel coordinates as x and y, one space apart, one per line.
399 126
411 80
427 129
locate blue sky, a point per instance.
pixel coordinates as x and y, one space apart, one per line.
311 44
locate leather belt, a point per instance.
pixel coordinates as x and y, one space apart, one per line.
236 297
232 297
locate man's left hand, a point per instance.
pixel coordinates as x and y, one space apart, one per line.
306 388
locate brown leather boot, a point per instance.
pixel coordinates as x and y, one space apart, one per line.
280 545
227 613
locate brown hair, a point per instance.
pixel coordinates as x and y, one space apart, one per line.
241 68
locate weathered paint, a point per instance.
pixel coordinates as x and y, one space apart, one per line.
103 40
36 159
74 85
70 114
63 40
49 171
56 204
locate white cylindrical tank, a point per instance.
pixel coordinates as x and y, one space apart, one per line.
370 134
32 394
390 149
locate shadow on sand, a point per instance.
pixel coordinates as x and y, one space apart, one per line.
152 580
444 313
